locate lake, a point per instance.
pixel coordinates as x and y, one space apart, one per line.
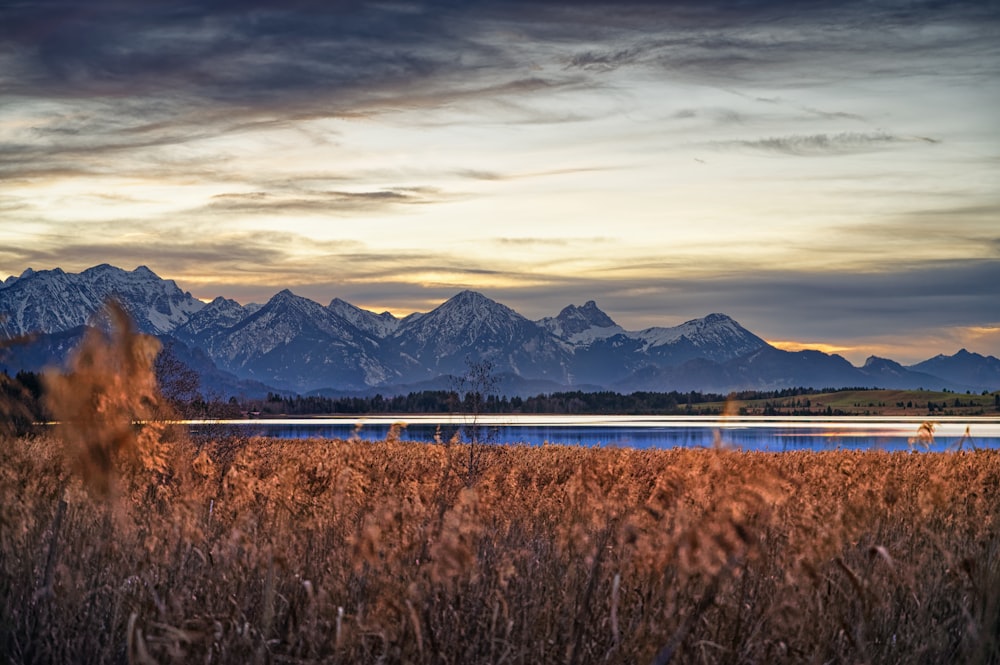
759 433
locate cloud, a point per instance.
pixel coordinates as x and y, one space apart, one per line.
554 242
785 304
528 242
720 116
322 202
834 115
178 251
475 174
843 143
132 80
919 233
261 51
603 61
927 300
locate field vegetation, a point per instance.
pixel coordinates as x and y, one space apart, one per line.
785 402
868 402
129 543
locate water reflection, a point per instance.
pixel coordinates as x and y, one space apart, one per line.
761 434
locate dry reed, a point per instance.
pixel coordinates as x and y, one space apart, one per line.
259 550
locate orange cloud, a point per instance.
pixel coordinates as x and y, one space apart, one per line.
789 345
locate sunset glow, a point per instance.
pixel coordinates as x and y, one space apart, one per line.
816 346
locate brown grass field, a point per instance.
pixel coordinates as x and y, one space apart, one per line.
337 551
135 544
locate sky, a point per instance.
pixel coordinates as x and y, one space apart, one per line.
828 174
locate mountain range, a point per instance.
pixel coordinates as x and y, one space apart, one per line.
294 344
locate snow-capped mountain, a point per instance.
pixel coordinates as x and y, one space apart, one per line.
217 315
470 325
293 343
581 325
377 325
715 336
604 352
50 301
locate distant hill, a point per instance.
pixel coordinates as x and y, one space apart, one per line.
964 368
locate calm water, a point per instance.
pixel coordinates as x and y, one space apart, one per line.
748 433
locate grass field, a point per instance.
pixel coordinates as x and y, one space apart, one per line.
136 544
868 403
334 551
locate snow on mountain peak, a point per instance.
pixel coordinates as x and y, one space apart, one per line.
581 325
219 314
378 325
588 316
28 272
296 343
468 308
470 299
466 319
715 329
53 301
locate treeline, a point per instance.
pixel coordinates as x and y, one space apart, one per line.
23 396
22 402
570 402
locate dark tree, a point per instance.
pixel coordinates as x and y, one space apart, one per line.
178 383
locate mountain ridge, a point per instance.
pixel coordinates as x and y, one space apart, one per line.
296 344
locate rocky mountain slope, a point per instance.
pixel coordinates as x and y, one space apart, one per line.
296 344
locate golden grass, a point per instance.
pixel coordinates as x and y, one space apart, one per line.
337 551
138 545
